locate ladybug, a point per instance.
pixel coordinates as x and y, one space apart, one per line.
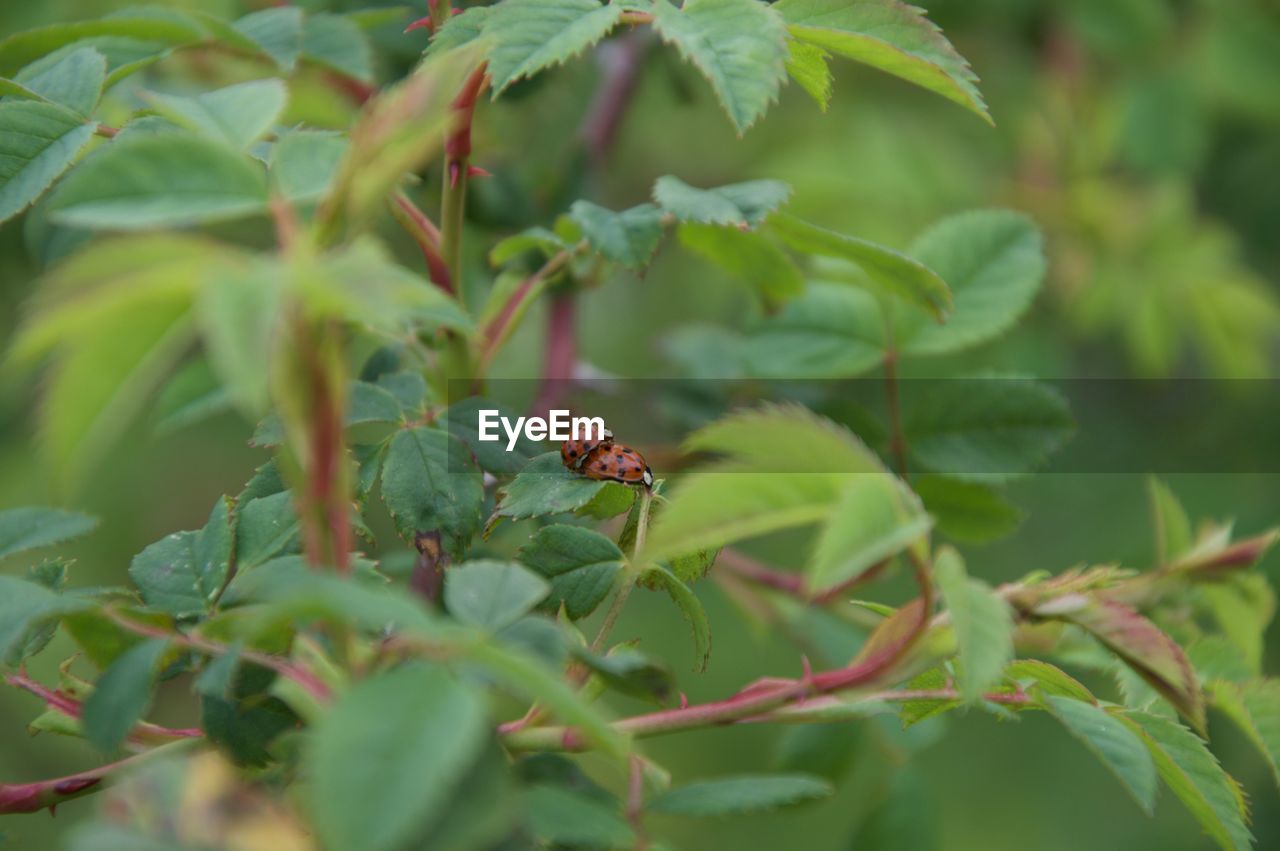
574 452
617 463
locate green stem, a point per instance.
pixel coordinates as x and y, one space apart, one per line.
629 577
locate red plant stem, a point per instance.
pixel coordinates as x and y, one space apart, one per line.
560 355
319 449
791 583
143 733
304 678
761 574
47 794
496 331
754 699
358 90
427 235
457 156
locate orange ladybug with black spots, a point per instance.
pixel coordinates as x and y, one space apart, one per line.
617 463
574 452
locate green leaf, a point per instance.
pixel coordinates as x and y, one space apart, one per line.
336 43
690 606
1242 606
912 712
545 487
629 237
740 46
890 35
580 563
1115 744
535 681
38 142
759 489
738 204
993 261
969 512
1048 679
430 483
25 609
531 35
160 181
461 29
265 528
362 284
238 315
278 32
1254 707
159 28
73 78
982 623
219 674
462 420
1169 518
105 375
236 115
728 796
296 592
492 594
748 255
629 671
830 331
1193 774
892 271
303 163
121 695
387 733
183 573
984 427
807 65
875 519
23 529
564 817
1142 646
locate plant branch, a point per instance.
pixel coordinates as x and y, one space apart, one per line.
629 576
143 733
793 584
457 157
500 327
47 794
305 679
427 235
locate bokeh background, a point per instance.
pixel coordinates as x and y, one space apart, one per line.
1142 135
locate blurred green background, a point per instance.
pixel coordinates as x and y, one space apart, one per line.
1142 135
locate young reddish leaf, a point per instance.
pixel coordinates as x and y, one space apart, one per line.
1145 648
